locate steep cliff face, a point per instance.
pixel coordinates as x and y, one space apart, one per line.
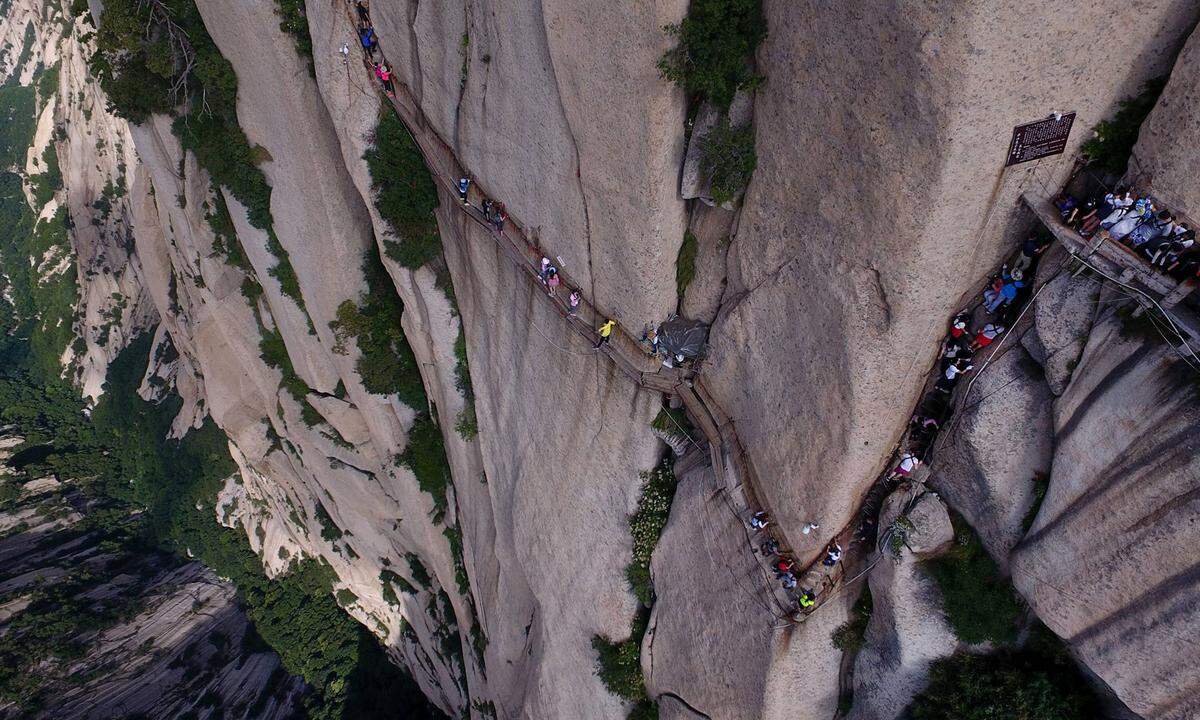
99 630
878 202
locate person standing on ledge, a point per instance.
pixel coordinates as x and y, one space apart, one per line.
605 331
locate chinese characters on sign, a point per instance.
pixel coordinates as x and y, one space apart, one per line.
1039 139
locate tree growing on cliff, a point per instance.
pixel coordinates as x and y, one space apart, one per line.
714 57
728 159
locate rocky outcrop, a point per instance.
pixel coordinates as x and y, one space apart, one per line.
908 630
998 448
1165 155
1104 564
880 197
179 642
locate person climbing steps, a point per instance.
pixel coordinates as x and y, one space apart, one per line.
464 187
605 332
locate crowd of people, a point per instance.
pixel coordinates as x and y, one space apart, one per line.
970 331
1155 233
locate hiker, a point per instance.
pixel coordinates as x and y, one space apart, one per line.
1066 206
500 217
1010 284
788 581
344 51
364 15
1141 212
1162 224
573 303
809 527
387 75
464 185
950 375
1181 240
552 282
807 599
784 566
833 553
1089 220
489 207
959 324
367 36
865 528
605 331
985 336
759 520
769 547
908 463
649 339
1030 249
1118 199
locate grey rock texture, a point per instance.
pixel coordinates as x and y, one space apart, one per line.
1000 440
1099 566
1165 156
1062 317
879 199
908 630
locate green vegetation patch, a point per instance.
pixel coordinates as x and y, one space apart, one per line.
728 159
405 194
646 525
467 425
619 666
1109 148
981 605
386 364
685 264
714 57
160 493
848 637
294 22
425 455
1038 682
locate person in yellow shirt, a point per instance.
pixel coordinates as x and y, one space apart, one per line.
807 599
605 331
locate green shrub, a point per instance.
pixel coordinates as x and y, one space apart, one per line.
417 569
619 666
386 364
295 23
330 532
425 455
619 663
716 47
685 264
674 422
980 604
1109 148
1036 683
728 159
848 637
454 537
646 525
1041 484
405 194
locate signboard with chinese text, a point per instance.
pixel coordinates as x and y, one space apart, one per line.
1039 139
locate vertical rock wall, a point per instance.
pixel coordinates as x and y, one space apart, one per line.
880 197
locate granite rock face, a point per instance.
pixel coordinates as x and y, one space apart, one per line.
879 200
908 629
1165 155
880 197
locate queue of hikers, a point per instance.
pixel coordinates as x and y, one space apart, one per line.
1158 235
970 331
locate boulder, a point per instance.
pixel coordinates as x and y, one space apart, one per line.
907 630
1165 157
999 441
1109 564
